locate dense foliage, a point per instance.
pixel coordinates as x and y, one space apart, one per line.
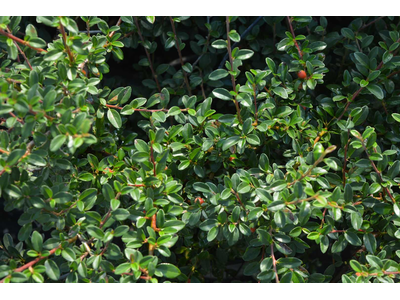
267 152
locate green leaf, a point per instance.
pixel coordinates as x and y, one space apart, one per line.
244 54
253 139
168 270
151 19
53 55
52 270
19 277
352 238
396 116
375 261
289 262
229 142
15 156
57 142
370 242
37 42
25 232
255 213
123 268
62 197
355 265
208 224
108 192
281 92
114 118
218 74
68 254
219 44
234 36
362 58
375 90
348 193
356 220
271 64
222 94
95 232
37 241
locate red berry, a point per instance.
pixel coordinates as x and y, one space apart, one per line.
199 199
231 158
252 229
302 74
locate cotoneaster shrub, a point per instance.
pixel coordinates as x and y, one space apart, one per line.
267 153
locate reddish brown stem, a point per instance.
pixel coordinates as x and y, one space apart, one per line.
361 88
180 57
237 197
152 159
4 151
294 38
378 172
64 36
144 109
148 55
274 260
18 40
348 103
262 257
20 51
392 74
255 103
108 215
376 274
118 23
323 218
154 226
18 119
36 260
232 77
345 158
370 23
104 249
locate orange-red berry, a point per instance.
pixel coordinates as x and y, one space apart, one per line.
252 229
231 158
302 74
199 199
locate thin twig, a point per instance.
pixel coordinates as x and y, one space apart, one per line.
377 171
237 197
147 54
18 119
294 38
255 103
36 260
118 23
152 159
345 158
302 200
232 77
370 23
376 274
274 260
321 158
22 42
64 36
180 57
144 109
244 34
20 51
